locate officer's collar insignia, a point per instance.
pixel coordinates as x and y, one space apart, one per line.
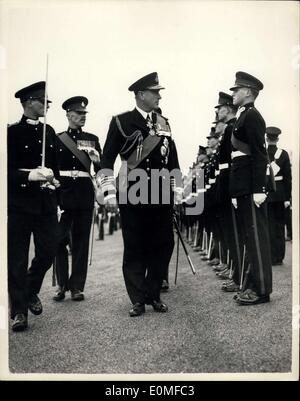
32 122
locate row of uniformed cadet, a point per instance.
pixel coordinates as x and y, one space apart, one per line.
37 186
242 198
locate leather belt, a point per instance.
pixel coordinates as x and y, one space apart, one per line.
223 166
74 173
278 178
237 153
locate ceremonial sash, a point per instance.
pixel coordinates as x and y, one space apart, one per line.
239 145
79 154
148 144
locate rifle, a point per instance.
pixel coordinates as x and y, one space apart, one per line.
92 237
183 244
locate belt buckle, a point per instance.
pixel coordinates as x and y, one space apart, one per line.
75 174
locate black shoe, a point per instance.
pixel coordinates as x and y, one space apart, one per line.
20 322
137 309
277 263
35 305
77 295
250 297
158 306
165 286
60 294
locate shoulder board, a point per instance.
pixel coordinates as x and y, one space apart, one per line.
11 125
160 116
121 114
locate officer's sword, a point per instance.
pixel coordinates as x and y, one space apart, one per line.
243 267
177 257
183 245
48 184
45 114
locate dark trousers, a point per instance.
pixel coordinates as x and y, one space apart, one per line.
148 245
288 222
231 238
24 282
78 222
276 230
253 221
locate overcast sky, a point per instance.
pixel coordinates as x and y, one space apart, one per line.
98 48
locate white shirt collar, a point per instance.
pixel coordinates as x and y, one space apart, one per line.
32 122
144 113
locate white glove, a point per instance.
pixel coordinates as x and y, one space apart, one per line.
99 196
178 195
59 213
111 201
93 154
259 199
56 183
234 202
287 204
41 174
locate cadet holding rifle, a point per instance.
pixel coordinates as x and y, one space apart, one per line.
248 188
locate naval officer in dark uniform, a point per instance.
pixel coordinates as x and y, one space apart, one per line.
279 199
248 188
143 139
76 151
32 204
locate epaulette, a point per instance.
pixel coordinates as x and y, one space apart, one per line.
121 114
165 118
11 125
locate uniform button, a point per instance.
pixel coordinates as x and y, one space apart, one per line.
60 150
148 178
147 160
73 168
74 137
26 146
147 168
40 141
73 157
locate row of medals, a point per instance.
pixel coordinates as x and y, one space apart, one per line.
164 149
